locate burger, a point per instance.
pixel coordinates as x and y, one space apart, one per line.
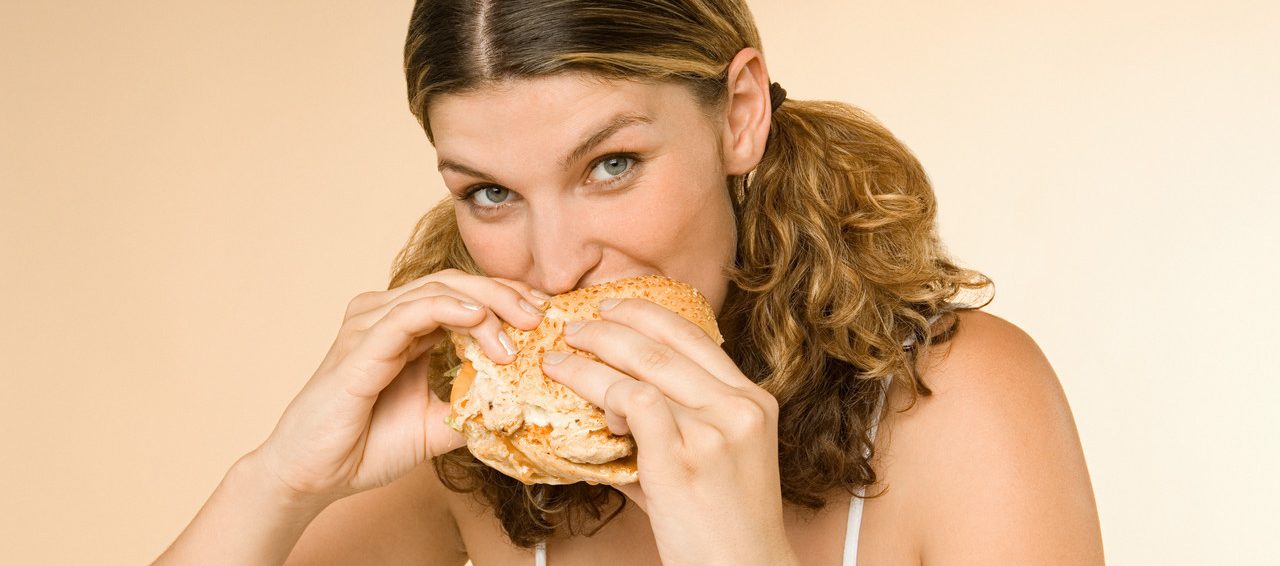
535 429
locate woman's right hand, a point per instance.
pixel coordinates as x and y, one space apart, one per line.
366 417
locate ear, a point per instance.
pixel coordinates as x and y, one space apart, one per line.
747 112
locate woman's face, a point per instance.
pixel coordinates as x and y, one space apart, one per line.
564 183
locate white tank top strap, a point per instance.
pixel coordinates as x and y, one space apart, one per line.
540 554
855 504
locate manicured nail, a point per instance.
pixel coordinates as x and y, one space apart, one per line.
540 294
554 358
529 308
608 304
506 343
574 326
471 306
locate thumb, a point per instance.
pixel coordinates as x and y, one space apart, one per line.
440 437
635 493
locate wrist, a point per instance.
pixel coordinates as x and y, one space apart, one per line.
253 473
249 519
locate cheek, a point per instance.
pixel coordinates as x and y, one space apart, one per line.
676 216
491 246
695 202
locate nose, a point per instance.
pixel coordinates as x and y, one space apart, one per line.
563 250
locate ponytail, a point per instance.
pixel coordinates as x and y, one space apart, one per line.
838 263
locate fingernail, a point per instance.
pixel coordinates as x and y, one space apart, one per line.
506 343
540 294
554 358
574 326
608 304
529 308
471 306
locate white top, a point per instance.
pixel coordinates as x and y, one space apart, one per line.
855 505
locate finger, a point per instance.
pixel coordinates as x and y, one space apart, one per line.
647 360
370 300
440 437
391 294
538 298
586 377
382 351
648 414
504 299
368 318
635 492
681 334
507 300
493 340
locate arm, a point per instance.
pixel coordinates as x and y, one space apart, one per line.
250 508
405 522
995 467
364 420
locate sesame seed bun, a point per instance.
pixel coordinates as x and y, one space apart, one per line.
537 430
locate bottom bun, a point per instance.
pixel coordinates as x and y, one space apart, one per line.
528 458
526 454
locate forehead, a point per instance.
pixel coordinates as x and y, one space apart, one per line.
549 112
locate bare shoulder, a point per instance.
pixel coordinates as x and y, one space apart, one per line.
405 522
990 466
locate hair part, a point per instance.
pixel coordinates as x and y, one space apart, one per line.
838 258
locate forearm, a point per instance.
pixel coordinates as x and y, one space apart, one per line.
248 520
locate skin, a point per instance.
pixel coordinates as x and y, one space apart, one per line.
560 229
706 433
341 478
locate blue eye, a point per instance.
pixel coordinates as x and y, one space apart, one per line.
495 195
618 167
614 165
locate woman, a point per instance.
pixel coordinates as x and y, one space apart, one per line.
587 141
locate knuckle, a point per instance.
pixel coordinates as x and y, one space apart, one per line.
656 357
489 321
399 308
707 439
507 294
770 405
510 283
361 303
647 396
746 416
612 399
405 308
513 292
351 328
432 288
691 333
770 413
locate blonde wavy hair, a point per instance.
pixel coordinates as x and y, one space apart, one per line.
838 258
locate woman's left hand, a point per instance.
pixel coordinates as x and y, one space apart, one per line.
707 436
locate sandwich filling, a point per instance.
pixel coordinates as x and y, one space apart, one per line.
572 432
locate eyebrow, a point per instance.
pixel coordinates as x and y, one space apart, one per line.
610 127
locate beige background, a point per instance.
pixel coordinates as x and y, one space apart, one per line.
191 192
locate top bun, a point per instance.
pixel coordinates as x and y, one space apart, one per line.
535 429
